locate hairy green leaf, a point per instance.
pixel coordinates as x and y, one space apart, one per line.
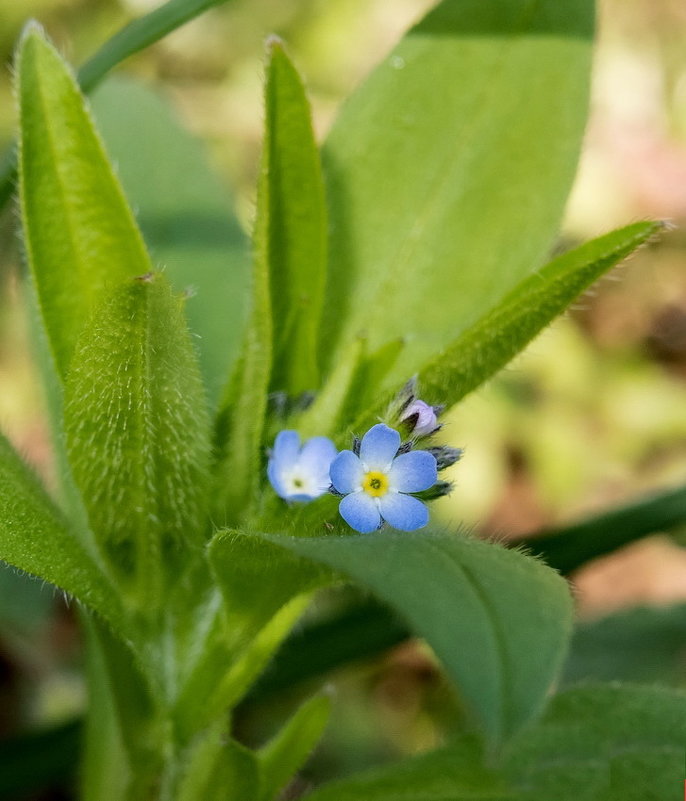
493 340
498 620
285 754
186 216
297 226
35 537
138 433
79 233
444 188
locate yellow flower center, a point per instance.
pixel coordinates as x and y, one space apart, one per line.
375 483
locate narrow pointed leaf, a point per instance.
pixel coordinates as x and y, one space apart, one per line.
79 233
283 756
297 226
498 620
35 537
497 337
445 189
138 432
500 334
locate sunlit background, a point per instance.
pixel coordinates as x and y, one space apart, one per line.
593 415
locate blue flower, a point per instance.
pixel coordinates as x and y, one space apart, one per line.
375 483
300 474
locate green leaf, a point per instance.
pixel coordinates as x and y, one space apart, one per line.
134 36
568 548
493 340
297 226
139 34
646 644
186 216
475 603
79 233
444 188
35 537
604 743
283 756
499 335
137 434
596 743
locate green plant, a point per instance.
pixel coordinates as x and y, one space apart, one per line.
412 247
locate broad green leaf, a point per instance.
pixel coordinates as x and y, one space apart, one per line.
604 743
137 434
498 620
444 188
79 233
134 36
219 769
568 548
596 743
646 644
35 537
284 755
494 339
186 216
297 226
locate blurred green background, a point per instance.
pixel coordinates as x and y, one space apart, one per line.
592 415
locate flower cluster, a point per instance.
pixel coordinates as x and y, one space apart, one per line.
382 479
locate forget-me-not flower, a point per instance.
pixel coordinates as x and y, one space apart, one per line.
376 482
300 474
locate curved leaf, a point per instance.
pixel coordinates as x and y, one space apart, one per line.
498 620
79 233
137 433
35 537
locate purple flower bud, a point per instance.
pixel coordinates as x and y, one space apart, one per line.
419 419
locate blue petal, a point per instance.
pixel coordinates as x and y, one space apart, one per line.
346 472
316 457
360 512
413 472
379 446
274 472
403 511
286 448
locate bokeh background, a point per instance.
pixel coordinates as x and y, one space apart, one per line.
591 416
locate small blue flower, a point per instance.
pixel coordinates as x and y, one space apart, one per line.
300 474
375 483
